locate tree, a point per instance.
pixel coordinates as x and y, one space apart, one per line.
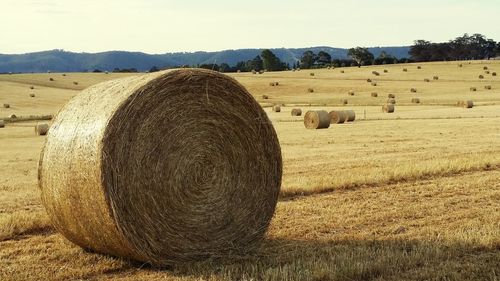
324 58
224 67
270 61
360 55
307 60
256 64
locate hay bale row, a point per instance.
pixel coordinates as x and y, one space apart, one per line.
465 104
272 84
276 108
415 100
296 112
41 129
388 108
317 119
199 195
374 95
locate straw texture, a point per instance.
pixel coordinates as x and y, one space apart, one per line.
337 116
350 115
319 119
163 168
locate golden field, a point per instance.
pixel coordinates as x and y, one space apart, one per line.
412 195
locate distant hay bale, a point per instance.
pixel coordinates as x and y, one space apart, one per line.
473 89
427 80
350 93
391 101
487 87
481 77
337 116
413 90
2 123
271 84
277 108
460 65
388 108
6 105
122 181
107 72
254 72
277 83
487 72
311 74
296 112
374 83
261 71
485 68
317 119
415 100
32 95
342 71
310 90
435 77
265 97
493 74
344 101
405 70
419 67
350 115
32 87
41 129
375 73
75 83
51 79
391 96
369 80
12 116
465 104
64 74
385 70
374 95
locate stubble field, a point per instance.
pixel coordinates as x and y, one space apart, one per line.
412 195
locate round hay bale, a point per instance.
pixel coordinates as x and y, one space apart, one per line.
310 90
344 101
481 77
64 74
2 123
261 71
337 116
311 74
276 108
493 74
317 119
6 105
32 87
460 65
374 95
265 97
374 83
435 77
75 83
388 108
413 90
254 72
272 84
41 129
342 71
203 184
369 80
487 72
107 72
375 73
385 70
427 80
468 104
485 68
473 89
277 83
12 116
351 93
419 67
51 79
296 112
487 87
350 115
391 96
415 100
32 95
391 101
405 70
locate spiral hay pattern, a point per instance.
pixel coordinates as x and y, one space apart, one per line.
162 168
319 119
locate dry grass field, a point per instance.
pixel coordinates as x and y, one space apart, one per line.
411 195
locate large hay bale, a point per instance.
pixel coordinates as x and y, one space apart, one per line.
41 129
337 116
276 108
374 95
12 116
388 108
350 115
460 65
415 100
75 83
32 87
391 101
296 112
391 96
6 105
2 123
162 168
317 119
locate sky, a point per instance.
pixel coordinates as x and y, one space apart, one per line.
161 26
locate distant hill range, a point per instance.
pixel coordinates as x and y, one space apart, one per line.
62 61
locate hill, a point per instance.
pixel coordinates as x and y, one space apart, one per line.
63 61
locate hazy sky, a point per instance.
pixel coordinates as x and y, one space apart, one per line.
159 26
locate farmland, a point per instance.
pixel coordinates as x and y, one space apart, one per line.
411 195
